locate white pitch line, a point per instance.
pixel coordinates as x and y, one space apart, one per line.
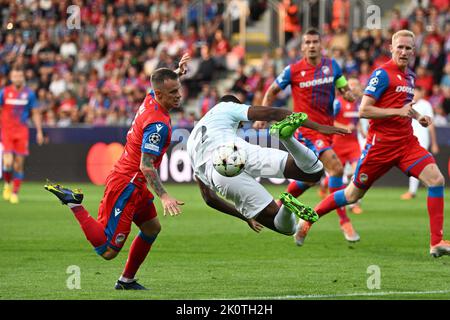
356 294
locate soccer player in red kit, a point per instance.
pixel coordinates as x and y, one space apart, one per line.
347 148
126 198
388 103
16 103
313 80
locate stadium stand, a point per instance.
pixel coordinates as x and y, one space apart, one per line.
99 73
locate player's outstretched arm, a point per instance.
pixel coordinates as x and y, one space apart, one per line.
368 110
170 205
258 113
325 129
215 202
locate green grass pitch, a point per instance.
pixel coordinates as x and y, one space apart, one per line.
203 254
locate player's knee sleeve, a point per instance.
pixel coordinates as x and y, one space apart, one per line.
285 221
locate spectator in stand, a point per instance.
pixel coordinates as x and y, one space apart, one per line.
291 19
424 79
204 72
341 13
220 49
397 22
208 98
239 83
124 41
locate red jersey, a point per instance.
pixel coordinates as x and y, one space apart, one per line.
346 113
150 132
16 107
391 88
313 87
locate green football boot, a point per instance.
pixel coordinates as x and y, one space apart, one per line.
299 209
286 127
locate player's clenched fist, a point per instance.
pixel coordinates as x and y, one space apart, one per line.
425 121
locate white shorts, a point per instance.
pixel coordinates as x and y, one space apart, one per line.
247 194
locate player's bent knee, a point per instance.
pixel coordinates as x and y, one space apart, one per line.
336 171
151 228
437 180
314 177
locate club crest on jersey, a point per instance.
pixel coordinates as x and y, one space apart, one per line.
303 73
363 177
326 70
399 77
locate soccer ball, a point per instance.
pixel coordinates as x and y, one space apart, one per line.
229 160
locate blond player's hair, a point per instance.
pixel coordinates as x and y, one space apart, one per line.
403 33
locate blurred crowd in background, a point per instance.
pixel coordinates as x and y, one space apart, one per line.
99 74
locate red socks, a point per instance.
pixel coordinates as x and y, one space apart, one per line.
296 188
138 252
7 176
16 185
435 204
333 201
336 184
93 230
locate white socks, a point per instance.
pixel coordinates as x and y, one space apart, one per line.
305 159
126 280
413 185
285 221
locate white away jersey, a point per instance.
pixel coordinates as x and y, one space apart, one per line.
217 127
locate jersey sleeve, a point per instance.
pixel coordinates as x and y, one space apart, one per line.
32 100
336 107
238 112
2 95
154 138
337 71
378 83
339 79
284 78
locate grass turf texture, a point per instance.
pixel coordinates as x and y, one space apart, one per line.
203 254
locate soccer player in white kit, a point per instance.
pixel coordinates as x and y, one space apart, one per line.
426 136
252 202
